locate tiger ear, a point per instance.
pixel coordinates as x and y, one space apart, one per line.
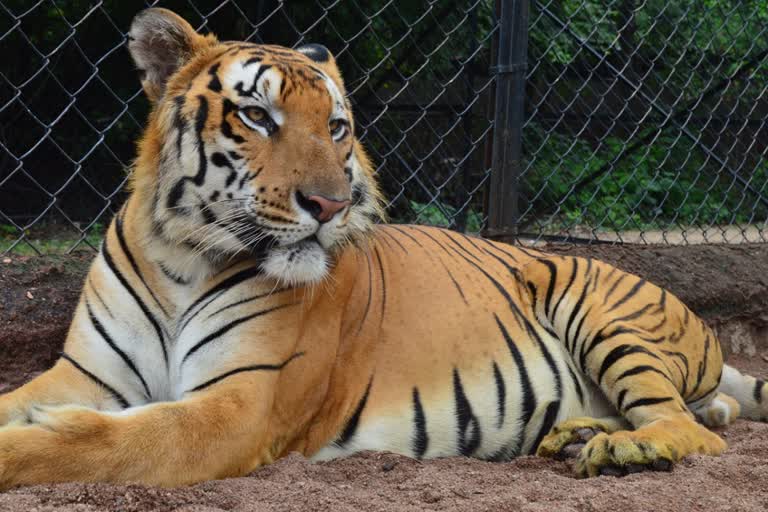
325 60
161 42
316 52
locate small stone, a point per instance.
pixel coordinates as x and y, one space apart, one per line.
388 466
7 260
30 296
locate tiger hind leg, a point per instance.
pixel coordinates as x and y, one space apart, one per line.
637 381
750 393
720 411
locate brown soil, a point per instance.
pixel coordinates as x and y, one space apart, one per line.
719 282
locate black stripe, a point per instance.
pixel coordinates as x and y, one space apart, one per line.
228 106
702 366
577 334
618 353
631 293
457 244
420 438
249 299
351 427
175 195
129 256
646 401
214 84
643 368
565 292
550 287
109 341
117 397
179 123
445 267
219 159
253 368
383 285
101 300
453 242
215 291
405 233
370 292
529 397
546 425
468 428
685 374
757 393
498 248
576 310
239 86
152 320
620 399
711 390
172 276
394 239
613 287
228 327
501 394
631 316
200 119
597 340
576 384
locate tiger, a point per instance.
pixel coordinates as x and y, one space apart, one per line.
249 301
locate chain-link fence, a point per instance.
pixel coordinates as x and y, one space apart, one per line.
623 120
646 121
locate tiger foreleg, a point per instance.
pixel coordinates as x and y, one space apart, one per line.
61 385
211 434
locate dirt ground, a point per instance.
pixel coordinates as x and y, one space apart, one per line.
721 283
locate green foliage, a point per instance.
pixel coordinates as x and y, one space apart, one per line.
443 215
669 181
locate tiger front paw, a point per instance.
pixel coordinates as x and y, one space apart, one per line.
567 439
647 449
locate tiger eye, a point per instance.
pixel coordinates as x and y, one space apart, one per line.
255 114
334 125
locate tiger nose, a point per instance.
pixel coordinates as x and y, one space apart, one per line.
321 208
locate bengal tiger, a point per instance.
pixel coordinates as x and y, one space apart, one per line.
246 303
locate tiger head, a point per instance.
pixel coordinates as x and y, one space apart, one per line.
249 149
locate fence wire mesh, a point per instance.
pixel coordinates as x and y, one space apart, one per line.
71 107
644 119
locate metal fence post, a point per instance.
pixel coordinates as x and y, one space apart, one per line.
509 116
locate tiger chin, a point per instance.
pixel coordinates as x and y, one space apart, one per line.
244 305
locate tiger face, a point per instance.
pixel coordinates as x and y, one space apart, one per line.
250 149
